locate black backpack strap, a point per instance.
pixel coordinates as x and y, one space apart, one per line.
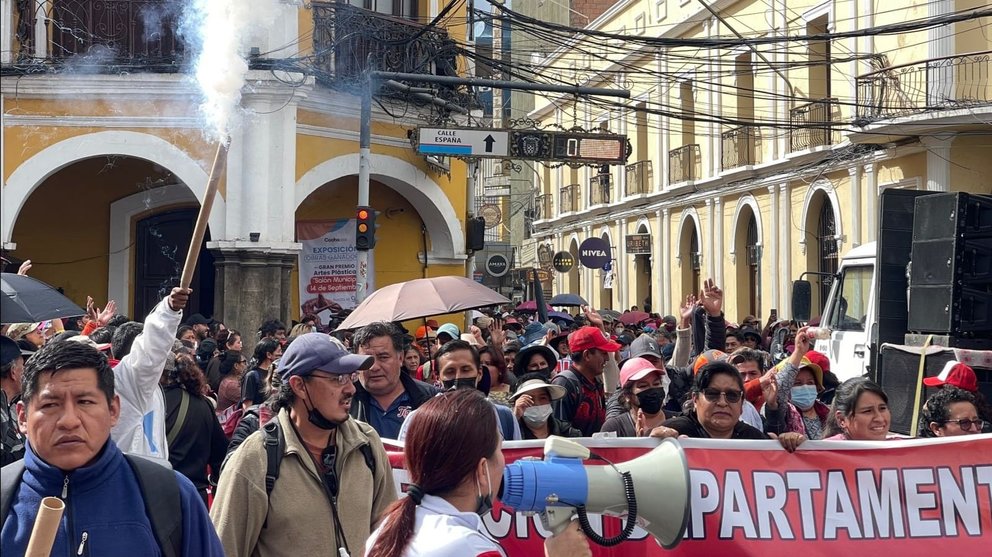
10 478
275 445
369 457
163 503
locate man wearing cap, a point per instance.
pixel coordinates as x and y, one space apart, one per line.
11 368
200 324
327 495
584 404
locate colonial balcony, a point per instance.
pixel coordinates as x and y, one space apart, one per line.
640 178
810 125
599 189
350 41
946 94
96 36
543 207
684 164
739 147
571 198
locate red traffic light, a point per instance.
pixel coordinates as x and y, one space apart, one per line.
363 214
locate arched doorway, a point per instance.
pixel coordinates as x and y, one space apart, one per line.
574 284
747 257
642 275
821 247
690 258
161 242
606 294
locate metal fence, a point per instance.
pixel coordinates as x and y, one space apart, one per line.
640 178
571 198
810 124
599 189
739 147
684 163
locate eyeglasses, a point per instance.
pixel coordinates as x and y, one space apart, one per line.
340 379
713 395
966 425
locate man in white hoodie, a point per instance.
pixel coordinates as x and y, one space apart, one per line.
142 350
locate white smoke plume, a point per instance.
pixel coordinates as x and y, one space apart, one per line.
224 31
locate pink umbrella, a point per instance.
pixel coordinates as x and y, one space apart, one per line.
418 298
633 317
530 306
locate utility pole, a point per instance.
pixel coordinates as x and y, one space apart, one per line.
364 164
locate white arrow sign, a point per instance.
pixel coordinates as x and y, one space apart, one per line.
464 142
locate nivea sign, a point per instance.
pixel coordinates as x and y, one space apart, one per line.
595 253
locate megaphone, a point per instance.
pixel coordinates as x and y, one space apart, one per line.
653 489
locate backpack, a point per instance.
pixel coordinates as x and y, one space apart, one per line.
159 490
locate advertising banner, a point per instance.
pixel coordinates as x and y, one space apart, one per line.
900 497
327 266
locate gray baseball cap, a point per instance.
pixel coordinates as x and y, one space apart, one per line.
312 352
645 345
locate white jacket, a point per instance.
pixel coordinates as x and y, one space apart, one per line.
140 429
441 530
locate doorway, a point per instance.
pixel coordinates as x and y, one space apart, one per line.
161 242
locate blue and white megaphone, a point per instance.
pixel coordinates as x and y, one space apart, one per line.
652 489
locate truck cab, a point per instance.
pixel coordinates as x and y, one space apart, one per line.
850 314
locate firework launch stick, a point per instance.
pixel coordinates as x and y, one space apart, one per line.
46 526
216 171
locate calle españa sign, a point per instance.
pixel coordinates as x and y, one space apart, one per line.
497 265
595 253
563 262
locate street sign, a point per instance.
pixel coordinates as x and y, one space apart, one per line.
497 265
463 142
477 276
543 276
595 253
492 214
563 262
638 244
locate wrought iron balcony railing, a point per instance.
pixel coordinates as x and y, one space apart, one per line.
571 198
684 164
599 189
543 207
935 84
640 178
739 147
349 41
99 35
810 124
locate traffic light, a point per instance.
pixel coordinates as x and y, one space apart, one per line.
365 229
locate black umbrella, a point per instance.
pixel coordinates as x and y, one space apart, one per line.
568 300
28 300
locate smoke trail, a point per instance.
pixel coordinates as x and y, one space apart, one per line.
224 31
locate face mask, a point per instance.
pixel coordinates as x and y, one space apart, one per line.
650 400
804 396
463 383
484 503
314 415
537 415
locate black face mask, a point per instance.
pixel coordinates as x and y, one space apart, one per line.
314 415
650 400
463 383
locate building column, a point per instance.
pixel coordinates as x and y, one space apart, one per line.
559 277
623 275
785 261
587 274
772 239
854 174
938 162
871 197
666 262
657 274
707 245
718 242
665 124
253 286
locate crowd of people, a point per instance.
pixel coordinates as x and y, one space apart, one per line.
281 437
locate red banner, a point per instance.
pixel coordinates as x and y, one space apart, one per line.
903 497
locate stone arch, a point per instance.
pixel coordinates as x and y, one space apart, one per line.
809 203
642 268
813 245
33 172
747 200
688 214
747 263
439 216
689 228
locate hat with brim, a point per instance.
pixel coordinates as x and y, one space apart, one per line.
9 351
470 338
745 332
534 332
18 330
449 329
554 391
817 370
589 337
955 374
312 352
635 369
522 357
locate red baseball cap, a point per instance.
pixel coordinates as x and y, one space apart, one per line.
590 337
820 359
955 374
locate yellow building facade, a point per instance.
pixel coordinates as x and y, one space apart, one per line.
755 162
101 166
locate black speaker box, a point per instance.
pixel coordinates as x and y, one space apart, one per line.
898 372
949 215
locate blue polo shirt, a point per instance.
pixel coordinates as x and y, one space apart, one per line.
388 422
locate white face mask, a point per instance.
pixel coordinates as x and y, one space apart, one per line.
537 415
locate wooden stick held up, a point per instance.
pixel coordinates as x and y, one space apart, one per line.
200 230
46 527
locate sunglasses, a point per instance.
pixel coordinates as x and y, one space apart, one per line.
732 397
966 425
342 379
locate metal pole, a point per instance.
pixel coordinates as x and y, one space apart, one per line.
518 85
364 164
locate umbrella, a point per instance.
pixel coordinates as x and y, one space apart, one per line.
28 300
609 314
568 300
530 306
634 317
418 298
561 316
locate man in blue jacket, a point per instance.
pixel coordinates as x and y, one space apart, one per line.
67 411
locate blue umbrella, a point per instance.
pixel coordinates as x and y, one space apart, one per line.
562 316
568 300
